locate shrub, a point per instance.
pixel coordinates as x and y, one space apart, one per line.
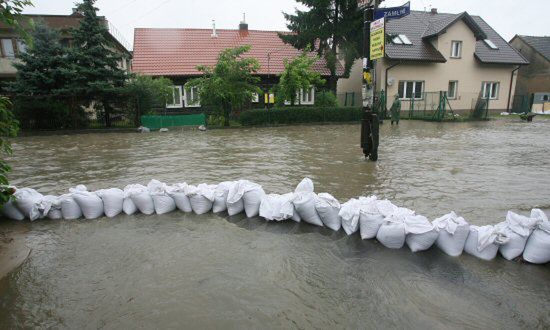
326 99
294 115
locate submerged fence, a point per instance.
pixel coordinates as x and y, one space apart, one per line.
155 122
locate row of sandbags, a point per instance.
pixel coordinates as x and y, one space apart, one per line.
371 217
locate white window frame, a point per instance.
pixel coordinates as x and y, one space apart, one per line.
21 46
458 53
484 86
255 98
180 103
304 100
4 52
191 90
413 82
449 96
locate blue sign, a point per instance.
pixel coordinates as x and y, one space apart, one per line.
393 12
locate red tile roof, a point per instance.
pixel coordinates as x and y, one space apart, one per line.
178 52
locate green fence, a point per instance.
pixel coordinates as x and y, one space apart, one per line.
157 122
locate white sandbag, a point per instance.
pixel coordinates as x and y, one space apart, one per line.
483 242
275 207
89 202
113 200
327 208
69 207
179 193
349 215
10 211
453 232
372 214
517 228
26 200
249 194
537 249
201 197
161 200
142 198
392 231
304 202
50 206
128 205
220 196
421 234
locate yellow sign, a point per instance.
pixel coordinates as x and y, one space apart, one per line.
377 36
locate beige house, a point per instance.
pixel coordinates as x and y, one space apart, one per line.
429 52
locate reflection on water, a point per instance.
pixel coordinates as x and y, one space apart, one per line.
209 271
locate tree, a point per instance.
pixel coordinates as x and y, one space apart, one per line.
230 83
328 26
145 92
298 75
96 75
11 14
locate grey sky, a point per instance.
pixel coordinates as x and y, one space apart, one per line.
508 17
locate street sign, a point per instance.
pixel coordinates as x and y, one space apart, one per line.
377 35
393 12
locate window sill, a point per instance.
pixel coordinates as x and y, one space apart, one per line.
177 106
193 106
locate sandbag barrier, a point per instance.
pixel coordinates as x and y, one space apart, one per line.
392 226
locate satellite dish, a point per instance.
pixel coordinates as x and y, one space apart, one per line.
391 80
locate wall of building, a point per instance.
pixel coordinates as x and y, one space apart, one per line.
535 77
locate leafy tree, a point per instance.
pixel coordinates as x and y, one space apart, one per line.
298 74
96 75
230 83
326 99
328 26
11 14
145 92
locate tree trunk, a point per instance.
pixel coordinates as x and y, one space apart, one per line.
226 112
333 79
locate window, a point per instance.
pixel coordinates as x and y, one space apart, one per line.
451 92
191 97
7 48
21 46
307 97
490 44
401 39
489 90
175 101
545 97
411 90
456 49
255 98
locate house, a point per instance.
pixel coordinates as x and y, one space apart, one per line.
176 53
429 52
11 44
533 82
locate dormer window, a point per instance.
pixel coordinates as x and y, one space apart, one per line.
491 44
456 49
401 39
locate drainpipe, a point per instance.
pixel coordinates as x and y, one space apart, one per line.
386 83
510 91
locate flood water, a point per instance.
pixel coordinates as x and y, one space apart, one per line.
214 271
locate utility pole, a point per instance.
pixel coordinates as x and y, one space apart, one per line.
370 123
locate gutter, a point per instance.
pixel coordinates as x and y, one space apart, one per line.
510 91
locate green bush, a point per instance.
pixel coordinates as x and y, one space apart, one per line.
294 115
326 99
37 113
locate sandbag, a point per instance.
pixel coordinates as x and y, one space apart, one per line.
453 232
141 198
128 205
161 200
248 194
179 193
372 214
10 211
483 242
201 197
392 231
327 208
220 196
304 202
517 228
537 249
50 206
89 202
349 216
421 234
113 200
275 207
26 200
69 207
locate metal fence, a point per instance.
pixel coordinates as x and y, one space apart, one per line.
116 121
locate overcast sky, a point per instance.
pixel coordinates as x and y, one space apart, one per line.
507 17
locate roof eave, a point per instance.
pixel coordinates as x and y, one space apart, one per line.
424 60
525 62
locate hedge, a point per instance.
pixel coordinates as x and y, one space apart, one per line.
295 115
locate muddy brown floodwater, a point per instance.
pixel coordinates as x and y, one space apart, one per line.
214 271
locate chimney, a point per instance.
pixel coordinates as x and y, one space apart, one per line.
434 10
214 33
243 26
